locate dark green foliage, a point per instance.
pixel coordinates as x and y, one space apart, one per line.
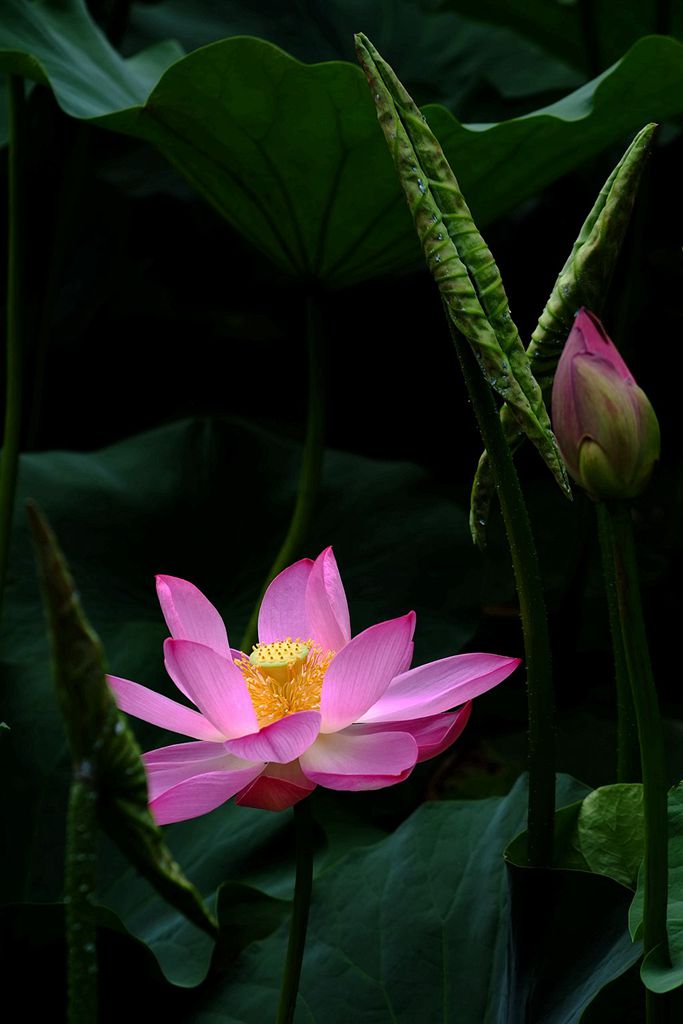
106 764
289 153
659 972
417 927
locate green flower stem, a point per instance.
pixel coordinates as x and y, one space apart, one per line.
80 878
532 610
628 754
15 274
299 922
618 525
311 464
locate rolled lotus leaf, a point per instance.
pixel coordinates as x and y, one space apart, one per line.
105 755
583 281
457 256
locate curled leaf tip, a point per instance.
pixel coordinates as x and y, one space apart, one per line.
40 529
457 256
363 43
583 281
363 51
104 752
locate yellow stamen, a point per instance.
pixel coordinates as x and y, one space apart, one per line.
284 677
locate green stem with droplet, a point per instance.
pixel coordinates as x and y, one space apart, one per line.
311 464
540 697
619 534
15 299
79 884
299 922
628 755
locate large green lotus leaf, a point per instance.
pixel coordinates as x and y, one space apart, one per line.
657 973
255 847
570 940
443 56
291 154
214 509
543 146
579 34
57 43
604 834
417 928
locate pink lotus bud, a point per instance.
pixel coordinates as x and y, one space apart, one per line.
604 423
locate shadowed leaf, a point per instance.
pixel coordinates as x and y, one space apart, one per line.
435 894
245 915
104 753
328 206
661 972
603 834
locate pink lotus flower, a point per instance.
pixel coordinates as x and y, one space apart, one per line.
331 710
605 425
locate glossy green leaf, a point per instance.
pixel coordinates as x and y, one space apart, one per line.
459 260
246 915
417 928
444 57
545 145
603 834
609 832
328 207
583 281
55 42
105 756
659 972
227 117
582 36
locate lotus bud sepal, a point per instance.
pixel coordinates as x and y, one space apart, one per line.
605 425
